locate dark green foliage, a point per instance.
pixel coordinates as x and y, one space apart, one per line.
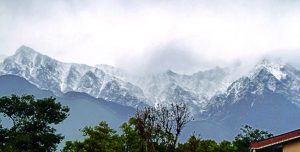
240 144
101 138
208 146
157 130
195 144
192 145
150 130
242 141
3 137
227 146
31 119
132 141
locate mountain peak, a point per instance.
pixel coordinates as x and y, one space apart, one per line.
2 57
27 53
272 66
26 50
170 72
270 63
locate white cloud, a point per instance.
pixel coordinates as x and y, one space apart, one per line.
139 33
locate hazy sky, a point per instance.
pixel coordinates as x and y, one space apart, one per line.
182 35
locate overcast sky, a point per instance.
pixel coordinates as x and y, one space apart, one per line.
183 35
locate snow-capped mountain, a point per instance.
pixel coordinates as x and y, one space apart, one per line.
219 98
162 88
266 81
204 83
59 77
209 93
266 97
114 84
168 87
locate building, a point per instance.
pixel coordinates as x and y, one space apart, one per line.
288 142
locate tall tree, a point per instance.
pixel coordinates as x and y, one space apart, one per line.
132 141
32 123
101 138
192 145
242 141
161 127
227 146
147 127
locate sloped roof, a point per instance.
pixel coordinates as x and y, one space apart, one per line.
276 140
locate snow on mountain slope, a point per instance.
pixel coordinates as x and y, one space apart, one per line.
199 86
267 97
157 87
220 98
59 77
116 72
275 68
267 80
204 91
113 84
205 83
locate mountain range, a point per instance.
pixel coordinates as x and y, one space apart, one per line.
113 84
220 99
85 110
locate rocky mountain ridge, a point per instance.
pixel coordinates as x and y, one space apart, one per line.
207 92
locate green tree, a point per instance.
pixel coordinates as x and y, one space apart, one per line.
191 145
161 127
242 141
150 130
145 125
101 138
208 146
32 123
132 141
196 144
227 146
172 120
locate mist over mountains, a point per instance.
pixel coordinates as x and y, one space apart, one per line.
219 97
2 57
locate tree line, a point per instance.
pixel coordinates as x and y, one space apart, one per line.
151 129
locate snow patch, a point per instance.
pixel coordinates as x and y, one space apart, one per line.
275 68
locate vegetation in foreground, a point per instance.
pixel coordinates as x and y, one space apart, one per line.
149 130
32 120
